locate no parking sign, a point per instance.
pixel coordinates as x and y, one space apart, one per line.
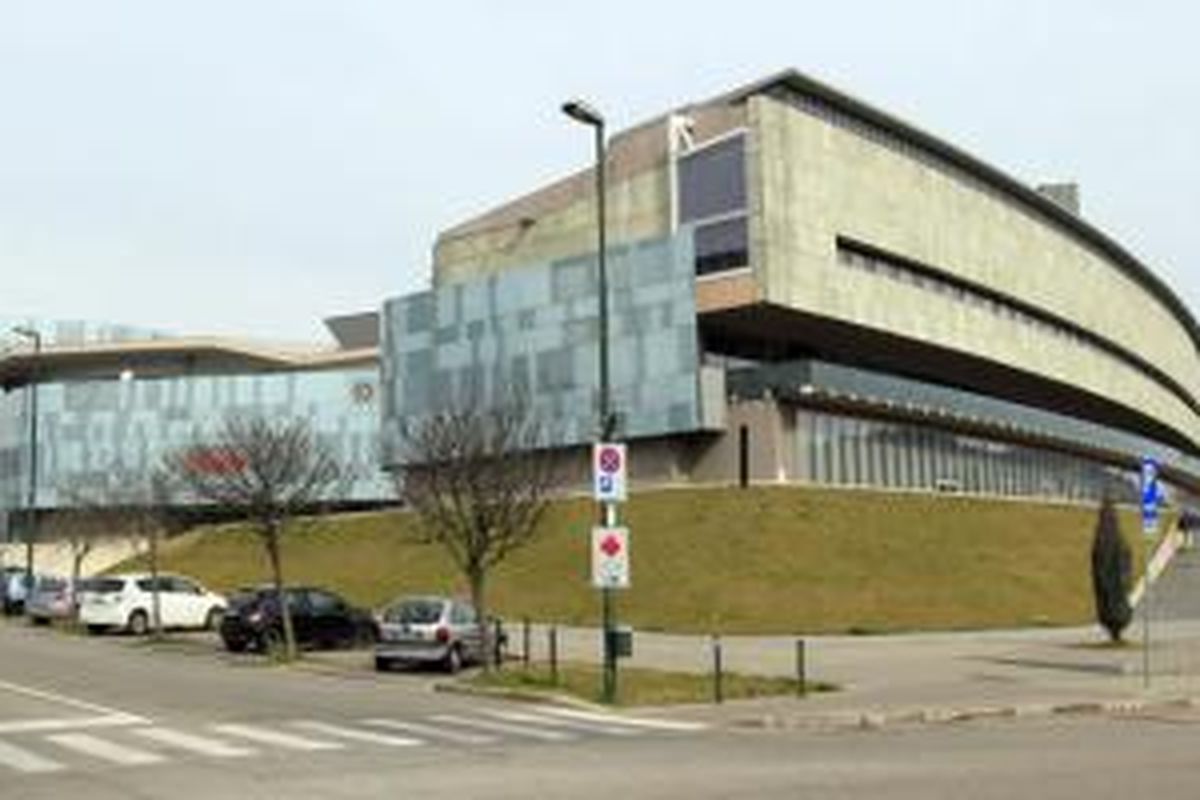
608 472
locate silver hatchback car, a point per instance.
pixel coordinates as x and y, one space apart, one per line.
428 630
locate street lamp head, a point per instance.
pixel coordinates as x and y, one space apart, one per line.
26 331
580 111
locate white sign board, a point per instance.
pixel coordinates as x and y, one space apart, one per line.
608 472
610 558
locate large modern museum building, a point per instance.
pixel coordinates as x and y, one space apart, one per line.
806 289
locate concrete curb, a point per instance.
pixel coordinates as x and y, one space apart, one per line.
874 720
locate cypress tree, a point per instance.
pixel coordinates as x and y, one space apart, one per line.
1112 566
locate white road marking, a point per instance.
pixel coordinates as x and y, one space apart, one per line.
353 734
196 744
24 761
636 722
69 724
105 750
61 699
560 722
430 731
277 738
503 727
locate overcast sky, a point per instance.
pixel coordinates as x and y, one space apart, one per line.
242 167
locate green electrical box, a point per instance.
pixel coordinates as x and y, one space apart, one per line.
622 641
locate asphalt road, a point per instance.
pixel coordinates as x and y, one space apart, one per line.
109 718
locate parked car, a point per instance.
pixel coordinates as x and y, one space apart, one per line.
430 630
53 597
14 589
125 602
320 618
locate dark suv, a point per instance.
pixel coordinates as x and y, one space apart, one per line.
319 618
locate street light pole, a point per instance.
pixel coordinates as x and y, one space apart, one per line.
582 112
31 507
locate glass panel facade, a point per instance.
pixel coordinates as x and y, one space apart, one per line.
89 430
712 180
851 451
535 331
712 201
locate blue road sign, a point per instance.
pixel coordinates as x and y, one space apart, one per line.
1150 495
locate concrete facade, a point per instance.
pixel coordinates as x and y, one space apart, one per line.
882 307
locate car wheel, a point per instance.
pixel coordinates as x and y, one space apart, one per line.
138 623
453 661
382 664
212 622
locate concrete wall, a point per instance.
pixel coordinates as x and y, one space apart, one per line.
559 220
817 180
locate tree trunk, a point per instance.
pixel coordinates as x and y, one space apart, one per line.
477 579
285 611
76 572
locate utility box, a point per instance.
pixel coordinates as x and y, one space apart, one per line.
622 641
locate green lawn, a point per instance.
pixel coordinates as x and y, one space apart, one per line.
760 560
637 686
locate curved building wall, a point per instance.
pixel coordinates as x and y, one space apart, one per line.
821 178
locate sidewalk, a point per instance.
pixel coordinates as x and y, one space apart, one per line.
923 677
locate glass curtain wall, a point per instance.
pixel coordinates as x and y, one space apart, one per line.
852 451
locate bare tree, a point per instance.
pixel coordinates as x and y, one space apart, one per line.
79 526
479 480
268 470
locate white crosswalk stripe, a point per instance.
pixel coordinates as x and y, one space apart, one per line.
560 722
201 745
430 731
268 736
23 760
356 735
504 727
635 722
120 745
105 750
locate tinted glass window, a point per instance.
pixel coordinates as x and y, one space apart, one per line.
324 603
103 585
721 246
415 612
712 180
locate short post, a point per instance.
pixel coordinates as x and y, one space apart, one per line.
498 642
801 669
525 641
718 694
553 634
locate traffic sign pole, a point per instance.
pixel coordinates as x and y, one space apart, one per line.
1150 501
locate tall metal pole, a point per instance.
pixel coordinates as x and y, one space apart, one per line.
607 418
584 113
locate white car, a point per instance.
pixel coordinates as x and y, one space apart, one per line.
125 602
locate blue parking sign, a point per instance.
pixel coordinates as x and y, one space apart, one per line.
1150 495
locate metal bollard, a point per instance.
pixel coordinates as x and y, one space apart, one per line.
498 642
553 654
525 641
801 669
718 694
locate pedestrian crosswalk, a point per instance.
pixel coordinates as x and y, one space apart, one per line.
142 744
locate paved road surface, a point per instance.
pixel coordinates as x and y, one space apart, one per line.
110 719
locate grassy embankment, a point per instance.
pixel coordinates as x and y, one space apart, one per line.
762 560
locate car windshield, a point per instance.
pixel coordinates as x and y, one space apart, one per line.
103 585
51 584
414 612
